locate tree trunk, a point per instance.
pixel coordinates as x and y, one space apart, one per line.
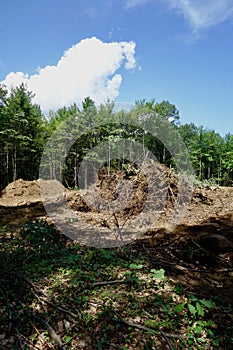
14 164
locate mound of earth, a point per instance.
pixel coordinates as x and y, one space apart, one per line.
120 197
22 200
20 192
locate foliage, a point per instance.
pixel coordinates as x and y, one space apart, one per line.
20 136
24 133
210 153
97 297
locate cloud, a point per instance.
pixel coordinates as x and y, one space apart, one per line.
132 3
86 69
199 13
203 14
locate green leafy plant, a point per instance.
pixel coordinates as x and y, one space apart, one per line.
136 266
195 306
132 279
159 275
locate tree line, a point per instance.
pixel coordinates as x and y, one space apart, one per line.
25 132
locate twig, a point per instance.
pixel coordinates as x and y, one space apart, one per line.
24 278
117 227
52 332
10 324
61 308
198 245
173 240
27 258
20 342
179 267
28 341
40 301
104 283
173 196
135 325
45 297
166 339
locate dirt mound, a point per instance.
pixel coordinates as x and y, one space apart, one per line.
122 196
20 192
21 200
155 186
155 190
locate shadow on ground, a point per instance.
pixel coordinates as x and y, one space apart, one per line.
56 294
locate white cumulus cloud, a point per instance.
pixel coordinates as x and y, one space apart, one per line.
203 13
89 68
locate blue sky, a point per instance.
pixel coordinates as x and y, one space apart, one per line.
176 50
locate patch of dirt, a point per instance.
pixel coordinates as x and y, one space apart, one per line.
158 190
208 220
198 252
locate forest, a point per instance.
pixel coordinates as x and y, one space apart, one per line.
24 132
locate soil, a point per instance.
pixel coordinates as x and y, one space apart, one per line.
198 251
21 200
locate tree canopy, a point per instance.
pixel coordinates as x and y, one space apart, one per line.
24 132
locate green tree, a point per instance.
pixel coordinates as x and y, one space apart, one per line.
21 136
206 148
226 163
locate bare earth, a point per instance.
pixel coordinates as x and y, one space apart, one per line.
198 251
21 200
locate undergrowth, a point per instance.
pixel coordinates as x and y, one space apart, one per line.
57 294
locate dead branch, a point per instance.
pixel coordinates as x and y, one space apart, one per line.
45 297
172 194
104 283
164 336
28 341
146 329
51 332
10 322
